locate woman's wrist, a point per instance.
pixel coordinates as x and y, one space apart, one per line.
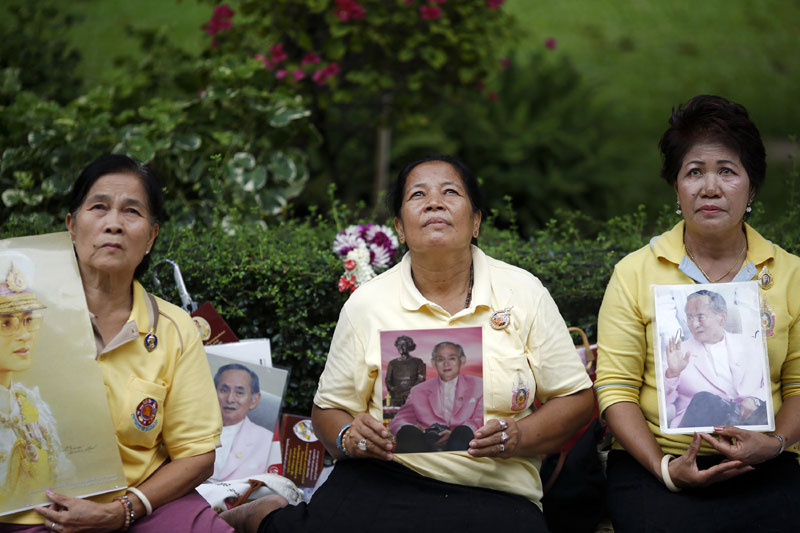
781 440
665 477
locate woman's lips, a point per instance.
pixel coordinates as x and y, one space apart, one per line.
435 222
710 209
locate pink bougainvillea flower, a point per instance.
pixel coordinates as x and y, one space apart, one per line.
550 43
430 12
223 11
349 10
480 85
408 2
277 53
310 59
321 76
280 74
298 74
221 20
494 4
492 96
505 63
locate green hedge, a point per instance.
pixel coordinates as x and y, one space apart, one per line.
280 281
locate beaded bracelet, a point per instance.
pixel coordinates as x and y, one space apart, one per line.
340 440
127 509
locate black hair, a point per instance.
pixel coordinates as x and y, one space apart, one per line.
394 198
708 118
121 164
255 386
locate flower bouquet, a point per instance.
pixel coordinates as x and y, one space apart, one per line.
364 248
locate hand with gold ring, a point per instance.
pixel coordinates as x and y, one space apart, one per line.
72 515
497 438
368 437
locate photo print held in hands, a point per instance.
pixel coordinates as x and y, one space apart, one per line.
711 358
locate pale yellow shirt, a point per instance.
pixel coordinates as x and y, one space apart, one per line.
535 351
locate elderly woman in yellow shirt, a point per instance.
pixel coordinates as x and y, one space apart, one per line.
444 281
735 479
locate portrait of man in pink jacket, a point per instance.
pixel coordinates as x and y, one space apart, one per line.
716 377
245 445
443 413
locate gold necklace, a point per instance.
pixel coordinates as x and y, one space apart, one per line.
738 258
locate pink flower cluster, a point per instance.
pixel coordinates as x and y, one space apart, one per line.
221 20
550 43
278 55
321 76
430 12
349 10
494 4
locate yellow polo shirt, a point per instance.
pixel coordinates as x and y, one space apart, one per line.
163 402
625 362
534 353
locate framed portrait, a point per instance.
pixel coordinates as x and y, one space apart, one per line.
432 383
712 367
56 430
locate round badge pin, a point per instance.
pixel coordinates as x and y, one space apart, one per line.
150 342
500 319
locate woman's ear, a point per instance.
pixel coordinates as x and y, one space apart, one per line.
398 227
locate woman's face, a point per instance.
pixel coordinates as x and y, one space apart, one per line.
436 211
713 189
112 229
18 332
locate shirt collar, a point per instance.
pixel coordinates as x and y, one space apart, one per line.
413 300
141 319
669 246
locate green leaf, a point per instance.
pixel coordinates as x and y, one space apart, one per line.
187 142
281 115
282 167
12 197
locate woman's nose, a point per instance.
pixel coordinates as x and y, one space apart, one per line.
434 201
710 184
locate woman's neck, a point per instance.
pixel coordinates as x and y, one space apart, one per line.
717 255
444 280
110 298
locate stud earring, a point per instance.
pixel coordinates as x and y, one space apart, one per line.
748 209
678 211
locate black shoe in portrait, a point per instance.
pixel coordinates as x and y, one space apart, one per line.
711 359
442 412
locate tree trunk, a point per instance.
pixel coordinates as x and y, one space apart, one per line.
383 150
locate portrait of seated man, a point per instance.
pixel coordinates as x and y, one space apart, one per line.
716 377
245 444
403 372
443 413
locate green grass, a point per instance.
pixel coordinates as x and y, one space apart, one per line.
644 57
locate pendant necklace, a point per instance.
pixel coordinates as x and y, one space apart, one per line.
738 258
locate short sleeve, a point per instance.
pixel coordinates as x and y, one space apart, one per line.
192 419
621 346
557 367
345 382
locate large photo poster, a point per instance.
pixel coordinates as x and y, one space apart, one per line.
432 387
711 358
55 426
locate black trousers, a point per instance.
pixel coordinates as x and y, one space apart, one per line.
764 500
365 495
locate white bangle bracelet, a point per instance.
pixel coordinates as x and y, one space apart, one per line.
142 498
665 473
